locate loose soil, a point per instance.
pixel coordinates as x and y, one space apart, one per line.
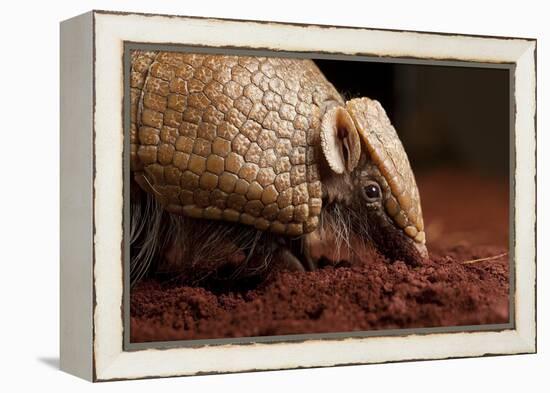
466 220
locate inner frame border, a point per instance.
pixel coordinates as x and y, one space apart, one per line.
129 46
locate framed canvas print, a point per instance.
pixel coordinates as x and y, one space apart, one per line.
242 195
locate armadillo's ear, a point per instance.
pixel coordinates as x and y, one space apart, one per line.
340 141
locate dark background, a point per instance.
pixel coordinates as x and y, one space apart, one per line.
445 116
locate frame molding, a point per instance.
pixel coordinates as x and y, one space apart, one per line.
95 350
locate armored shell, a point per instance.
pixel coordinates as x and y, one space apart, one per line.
230 137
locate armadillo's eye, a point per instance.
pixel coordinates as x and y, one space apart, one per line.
372 192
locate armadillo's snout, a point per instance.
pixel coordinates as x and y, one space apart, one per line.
422 250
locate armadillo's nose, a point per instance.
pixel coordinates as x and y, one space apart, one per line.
422 250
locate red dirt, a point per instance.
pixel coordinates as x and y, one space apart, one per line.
466 219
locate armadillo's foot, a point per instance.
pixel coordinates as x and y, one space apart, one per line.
300 251
288 261
309 261
307 245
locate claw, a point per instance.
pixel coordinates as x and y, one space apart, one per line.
288 261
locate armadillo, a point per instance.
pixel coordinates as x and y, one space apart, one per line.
268 145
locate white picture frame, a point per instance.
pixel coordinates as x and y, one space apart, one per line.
92 197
